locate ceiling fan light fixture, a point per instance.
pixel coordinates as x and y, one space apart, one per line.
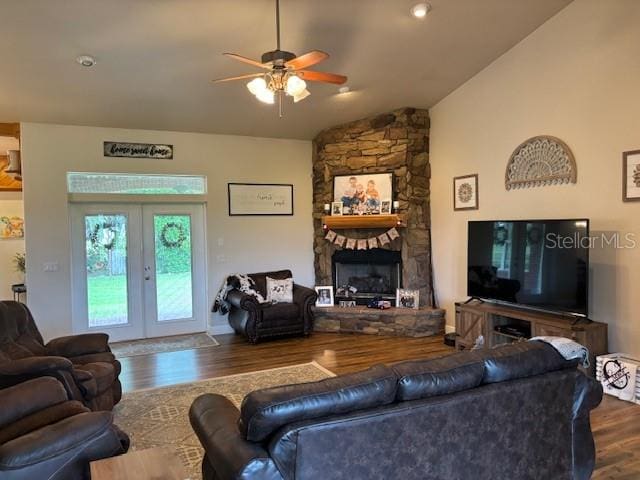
301 96
295 86
420 10
266 96
257 85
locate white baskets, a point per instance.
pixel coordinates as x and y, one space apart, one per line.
601 359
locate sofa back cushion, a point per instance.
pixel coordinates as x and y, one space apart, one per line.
19 336
438 376
519 360
265 411
260 279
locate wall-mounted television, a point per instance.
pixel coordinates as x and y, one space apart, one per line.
540 264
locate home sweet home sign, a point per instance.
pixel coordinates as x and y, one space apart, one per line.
138 150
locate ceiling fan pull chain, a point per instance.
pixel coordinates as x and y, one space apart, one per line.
280 113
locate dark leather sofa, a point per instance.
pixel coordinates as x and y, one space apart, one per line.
84 364
44 436
515 412
259 321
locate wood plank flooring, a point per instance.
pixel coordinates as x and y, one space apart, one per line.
616 424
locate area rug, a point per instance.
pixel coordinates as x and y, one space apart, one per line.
175 343
159 417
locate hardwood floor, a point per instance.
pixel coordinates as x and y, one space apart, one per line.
616 424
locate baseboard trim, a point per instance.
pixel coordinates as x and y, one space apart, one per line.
220 329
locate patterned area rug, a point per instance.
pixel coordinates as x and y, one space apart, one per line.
162 344
159 417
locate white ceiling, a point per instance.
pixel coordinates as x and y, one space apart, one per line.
156 58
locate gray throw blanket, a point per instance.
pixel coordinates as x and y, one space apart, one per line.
241 282
566 347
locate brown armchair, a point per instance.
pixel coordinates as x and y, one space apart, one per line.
45 436
83 364
258 321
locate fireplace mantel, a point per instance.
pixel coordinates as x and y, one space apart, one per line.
337 222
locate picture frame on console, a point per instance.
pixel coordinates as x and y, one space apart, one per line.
362 194
631 176
325 296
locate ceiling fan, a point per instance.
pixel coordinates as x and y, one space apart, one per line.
285 73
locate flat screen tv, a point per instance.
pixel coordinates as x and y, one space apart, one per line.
540 264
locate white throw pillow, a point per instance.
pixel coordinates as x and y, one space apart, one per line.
280 291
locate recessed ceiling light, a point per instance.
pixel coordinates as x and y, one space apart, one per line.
86 60
420 10
344 89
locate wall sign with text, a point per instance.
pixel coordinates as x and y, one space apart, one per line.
260 199
138 150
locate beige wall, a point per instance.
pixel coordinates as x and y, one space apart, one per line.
10 204
250 243
577 77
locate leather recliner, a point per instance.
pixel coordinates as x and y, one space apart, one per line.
258 321
84 364
45 436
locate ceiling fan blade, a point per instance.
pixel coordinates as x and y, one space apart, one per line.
229 79
308 59
242 59
321 77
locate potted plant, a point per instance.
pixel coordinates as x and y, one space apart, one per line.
19 260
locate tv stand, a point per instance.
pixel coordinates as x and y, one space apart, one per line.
486 319
473 299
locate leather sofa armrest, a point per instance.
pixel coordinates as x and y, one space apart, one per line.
303 294
77 345
29 397
214 419
241 300
34 366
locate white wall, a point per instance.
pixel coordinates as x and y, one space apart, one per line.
10 205
577 77
250 243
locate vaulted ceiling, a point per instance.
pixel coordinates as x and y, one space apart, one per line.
155 58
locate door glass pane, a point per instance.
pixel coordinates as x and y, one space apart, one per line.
173 266
106 254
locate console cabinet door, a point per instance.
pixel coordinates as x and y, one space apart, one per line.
469 326
548 330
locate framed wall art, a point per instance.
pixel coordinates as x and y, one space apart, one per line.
362 193
465 192
631 176
260 199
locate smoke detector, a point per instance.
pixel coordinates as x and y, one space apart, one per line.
86 60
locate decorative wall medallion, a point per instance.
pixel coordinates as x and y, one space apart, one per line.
541 161
465 192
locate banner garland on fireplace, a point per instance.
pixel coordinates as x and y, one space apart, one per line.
362 243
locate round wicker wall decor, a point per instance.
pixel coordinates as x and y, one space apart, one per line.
541 161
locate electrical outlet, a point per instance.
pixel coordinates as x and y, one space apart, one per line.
220 242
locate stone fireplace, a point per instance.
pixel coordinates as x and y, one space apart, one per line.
395 142
361 275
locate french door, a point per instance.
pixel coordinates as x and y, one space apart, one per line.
139 271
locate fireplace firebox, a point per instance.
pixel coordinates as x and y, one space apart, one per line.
360 275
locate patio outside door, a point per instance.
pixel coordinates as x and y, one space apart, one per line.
139 271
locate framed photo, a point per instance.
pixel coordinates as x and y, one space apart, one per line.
465 192
325 296
336 208
631 176
385 207
407 298
362 194
260 199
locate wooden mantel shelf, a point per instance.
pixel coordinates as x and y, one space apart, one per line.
336 222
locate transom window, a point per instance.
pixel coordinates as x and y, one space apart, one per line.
136 184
